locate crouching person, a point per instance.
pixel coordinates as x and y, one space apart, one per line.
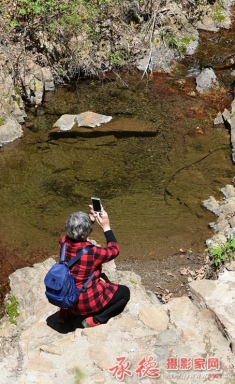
101 300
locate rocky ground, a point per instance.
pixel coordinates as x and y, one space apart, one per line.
163 337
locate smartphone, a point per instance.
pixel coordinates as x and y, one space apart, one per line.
96 203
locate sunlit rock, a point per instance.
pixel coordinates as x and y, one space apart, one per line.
91 119
10 130
85 119
48 79
207 81
93 123
65 122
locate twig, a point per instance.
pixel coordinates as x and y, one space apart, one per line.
150 42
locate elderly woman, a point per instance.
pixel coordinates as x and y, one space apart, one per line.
101 300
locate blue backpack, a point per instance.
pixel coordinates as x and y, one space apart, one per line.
60 285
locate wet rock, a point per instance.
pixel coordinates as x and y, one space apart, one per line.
212 205
207 81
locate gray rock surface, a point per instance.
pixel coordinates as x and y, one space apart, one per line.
38 350
10 130
207 81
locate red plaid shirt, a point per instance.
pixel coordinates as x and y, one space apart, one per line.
98 292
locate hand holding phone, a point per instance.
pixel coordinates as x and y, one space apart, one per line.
99 213
96 204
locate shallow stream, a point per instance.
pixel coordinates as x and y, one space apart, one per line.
151 186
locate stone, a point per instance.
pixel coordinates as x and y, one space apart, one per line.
10 130
212 205
232 221
228 191
49 85
36 87
230 266
207 81
219 119
65 122
216 241
221 226
91 119
219 297
226 115
155 318
229 207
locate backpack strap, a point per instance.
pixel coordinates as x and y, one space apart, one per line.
62 252
87 282
76 258
79 254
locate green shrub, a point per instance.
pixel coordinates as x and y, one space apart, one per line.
12 310
219 16
225 252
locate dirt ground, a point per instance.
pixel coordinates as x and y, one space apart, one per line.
170 277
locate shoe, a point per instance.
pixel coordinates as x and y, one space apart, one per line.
89 322
63 316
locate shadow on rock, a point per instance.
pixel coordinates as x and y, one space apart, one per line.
69 326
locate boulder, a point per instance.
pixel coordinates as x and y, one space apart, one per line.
10 130
207 81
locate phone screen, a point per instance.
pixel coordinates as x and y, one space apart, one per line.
96 204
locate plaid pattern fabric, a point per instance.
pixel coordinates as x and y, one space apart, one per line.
98 292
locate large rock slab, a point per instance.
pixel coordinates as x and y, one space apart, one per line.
219 297
89 123
86 119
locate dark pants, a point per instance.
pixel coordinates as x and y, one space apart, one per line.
115 306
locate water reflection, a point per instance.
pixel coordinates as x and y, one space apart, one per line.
152 187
